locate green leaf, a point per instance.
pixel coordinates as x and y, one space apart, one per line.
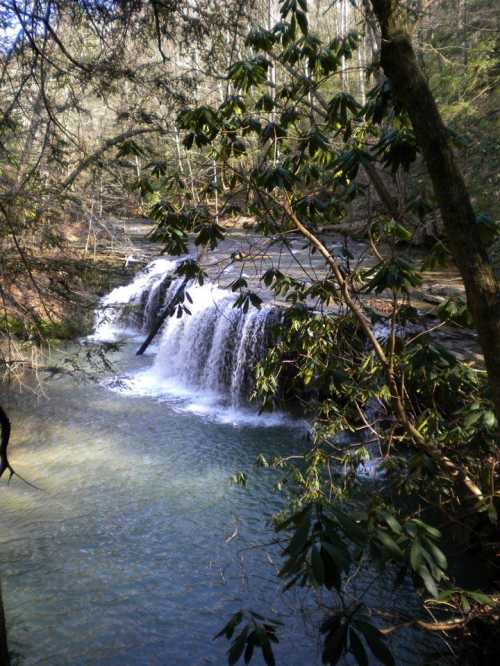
481 598
317 564
239 479
334 646
261 461
299 539
428 529
389 544
228 630
416 555
307 375
393 523
397 230
267 653
236 649
375 642
302 21
437 554
357 648
249 652
428 580
240 283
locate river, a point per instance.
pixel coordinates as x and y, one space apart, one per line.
125 555
136 548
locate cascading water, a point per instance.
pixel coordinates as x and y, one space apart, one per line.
207 356
215 348
130 310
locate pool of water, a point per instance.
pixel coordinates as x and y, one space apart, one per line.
136 548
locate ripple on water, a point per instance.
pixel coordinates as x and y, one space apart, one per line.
122 557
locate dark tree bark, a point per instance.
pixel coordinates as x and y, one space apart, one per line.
409 84
4 443
169 311
97 154
4 465
4 652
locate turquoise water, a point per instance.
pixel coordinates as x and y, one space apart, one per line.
137 548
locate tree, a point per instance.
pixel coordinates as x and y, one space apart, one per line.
463 230
303 157
85 90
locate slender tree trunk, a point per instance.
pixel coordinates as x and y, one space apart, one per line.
178 149
361 71
4 467
4 652
410 86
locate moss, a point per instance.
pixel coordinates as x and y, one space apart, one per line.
14 327
96 278
64 329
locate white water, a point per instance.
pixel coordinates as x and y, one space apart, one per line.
203 362
111 323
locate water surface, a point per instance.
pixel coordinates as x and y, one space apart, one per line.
125 555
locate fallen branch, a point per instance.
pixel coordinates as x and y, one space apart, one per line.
4 458
5 465
110 143
169 311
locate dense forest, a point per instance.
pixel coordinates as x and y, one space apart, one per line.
366 134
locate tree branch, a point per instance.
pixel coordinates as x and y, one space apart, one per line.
109 143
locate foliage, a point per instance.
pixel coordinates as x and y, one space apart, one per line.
299 151
286 133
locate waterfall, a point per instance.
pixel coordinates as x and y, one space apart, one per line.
211 352
129 310
216 347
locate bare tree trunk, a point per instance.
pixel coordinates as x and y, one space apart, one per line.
4 467
410 86
361 71
4 652
178 149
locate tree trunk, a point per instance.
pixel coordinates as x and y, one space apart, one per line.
4 652
410 86
4 466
